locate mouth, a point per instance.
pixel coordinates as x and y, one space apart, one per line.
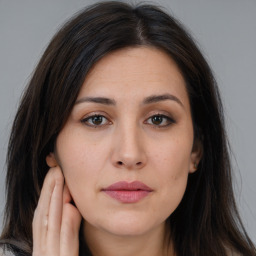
128 192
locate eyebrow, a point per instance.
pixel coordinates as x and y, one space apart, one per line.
163 97
100 100
148 100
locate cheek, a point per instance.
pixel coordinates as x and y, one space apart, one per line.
80 163
77 151
85 165
172 158
172 164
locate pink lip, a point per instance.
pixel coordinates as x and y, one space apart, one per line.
126 192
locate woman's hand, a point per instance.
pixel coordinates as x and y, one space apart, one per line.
56 221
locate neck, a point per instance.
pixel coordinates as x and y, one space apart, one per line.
103 243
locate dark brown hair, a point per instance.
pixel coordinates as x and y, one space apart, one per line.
207 221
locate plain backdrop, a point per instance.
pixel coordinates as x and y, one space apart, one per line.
225 31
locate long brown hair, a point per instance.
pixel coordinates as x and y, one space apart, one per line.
207 221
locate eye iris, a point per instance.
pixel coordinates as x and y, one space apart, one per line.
97 120
157 120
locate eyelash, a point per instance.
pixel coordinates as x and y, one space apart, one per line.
167 119
86 119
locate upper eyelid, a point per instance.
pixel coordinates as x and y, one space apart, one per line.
171 119
156 113
161 113
92 114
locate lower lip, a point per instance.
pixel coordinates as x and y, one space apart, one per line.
127 196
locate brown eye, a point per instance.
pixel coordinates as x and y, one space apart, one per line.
95 120
160 120
157 120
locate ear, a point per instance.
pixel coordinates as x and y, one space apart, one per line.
51 160
196 155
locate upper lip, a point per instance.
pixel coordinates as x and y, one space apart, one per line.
128 186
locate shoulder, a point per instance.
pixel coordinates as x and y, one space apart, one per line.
5 252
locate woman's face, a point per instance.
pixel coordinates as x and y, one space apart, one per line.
127 148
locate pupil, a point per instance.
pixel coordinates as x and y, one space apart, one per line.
97 120
157 120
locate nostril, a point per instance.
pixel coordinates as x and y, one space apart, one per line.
120 163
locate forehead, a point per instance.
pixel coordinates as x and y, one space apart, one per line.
134 72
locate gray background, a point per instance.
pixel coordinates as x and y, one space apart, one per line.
225 31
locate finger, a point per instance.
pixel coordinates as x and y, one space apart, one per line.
40 220
66 195
69 239
55 213
71 220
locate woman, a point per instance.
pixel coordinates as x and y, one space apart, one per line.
119 147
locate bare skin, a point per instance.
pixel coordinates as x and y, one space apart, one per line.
56 221
141 135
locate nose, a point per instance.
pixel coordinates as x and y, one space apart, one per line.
129 149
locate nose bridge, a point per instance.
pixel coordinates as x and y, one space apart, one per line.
129 148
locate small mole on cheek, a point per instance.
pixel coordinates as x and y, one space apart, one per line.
174 177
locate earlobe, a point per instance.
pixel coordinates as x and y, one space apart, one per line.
51 160
196 156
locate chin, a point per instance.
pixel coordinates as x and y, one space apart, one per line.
130 224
